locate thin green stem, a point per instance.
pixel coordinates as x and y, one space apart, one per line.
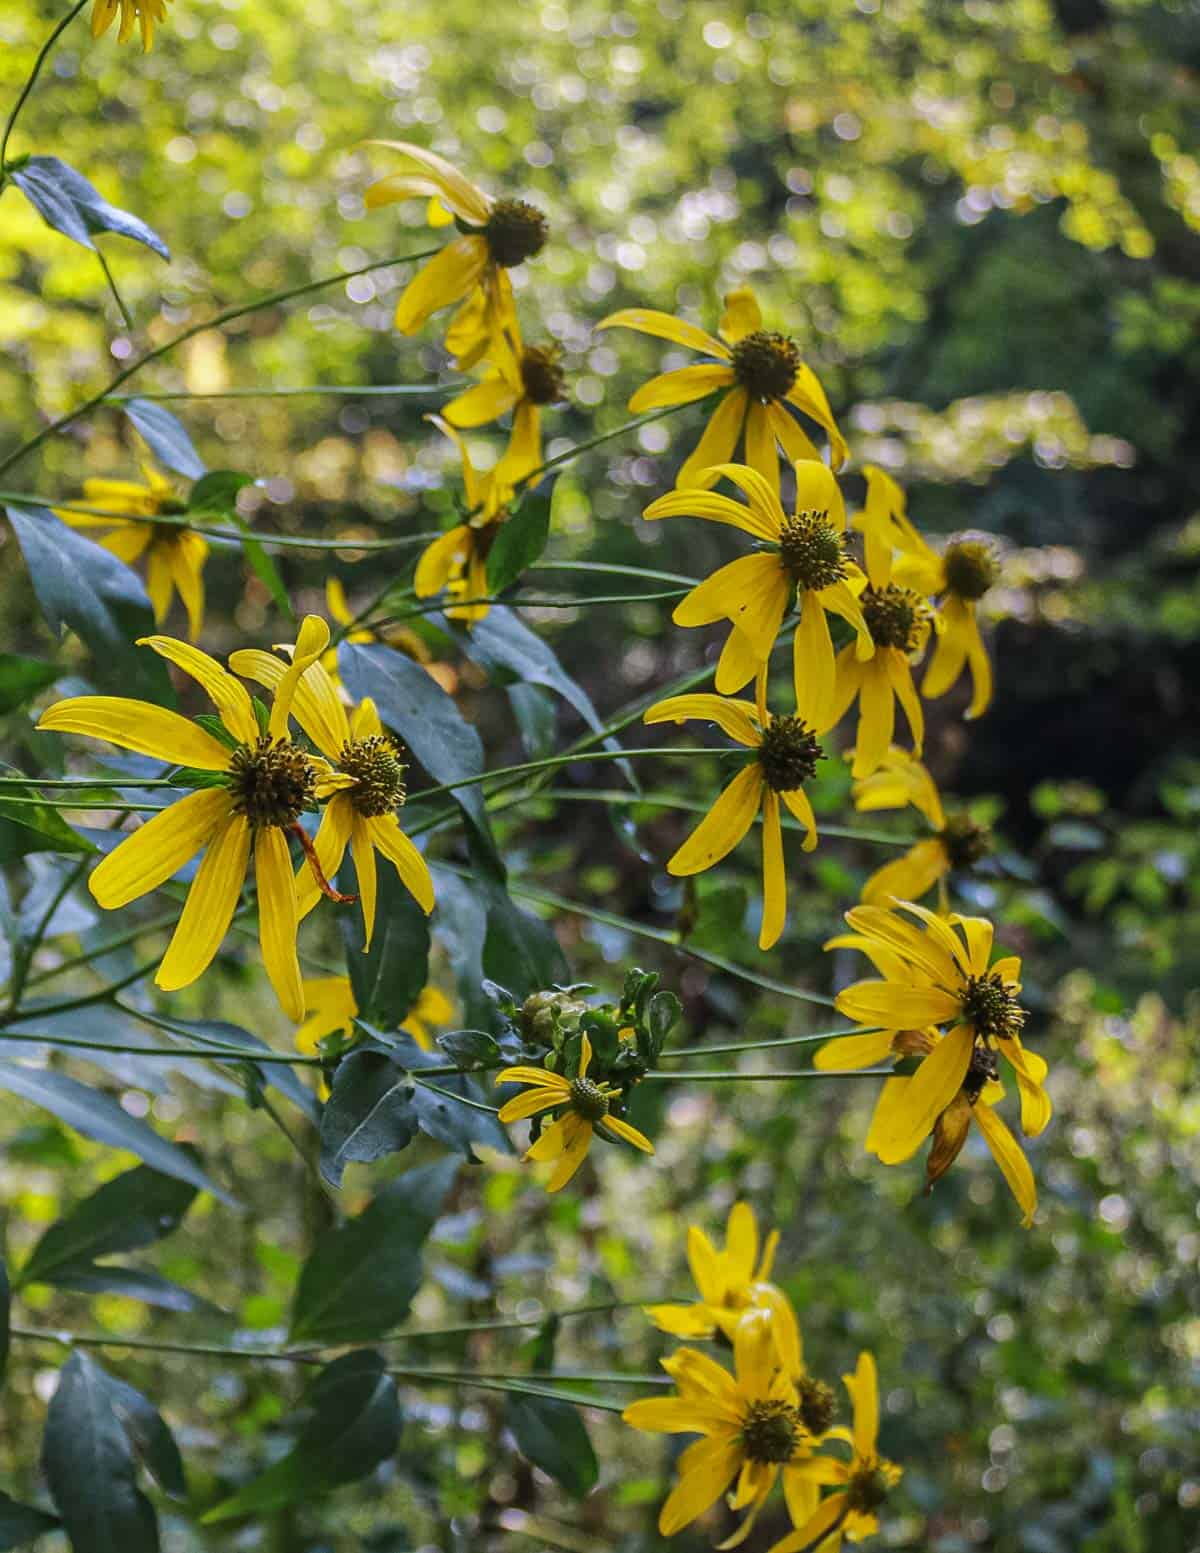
305 391
88 999
550 761
91 782
462 1378
83 803
517 1325
217 321
418 1077
728 1048
589 443
26 949
646 572
576 601
778 1076
43 55
199 1053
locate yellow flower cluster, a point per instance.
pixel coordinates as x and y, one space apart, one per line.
769 1420
252 784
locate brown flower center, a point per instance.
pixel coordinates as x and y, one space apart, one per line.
771 1430
965 840
818 1404
766 364
811 550
375 764
867 1489
515 231
991 1007
893 616
983 1070
543 380
788 754
272 782
970 567
588 1100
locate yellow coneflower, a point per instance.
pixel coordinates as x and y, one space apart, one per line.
495 236
958 840
361 813
585 1108
804 558
729 1281
174 556
860 1485
786 752
265 784
457 560
144 13
761 377
523 380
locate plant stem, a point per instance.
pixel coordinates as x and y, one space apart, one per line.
43 55
714 1076
554 760
26 949
363 391
603 436
727 1048
116 295
215 322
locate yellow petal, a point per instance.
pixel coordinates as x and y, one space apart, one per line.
668 1415
741 1242
188 555
211 901
524 451
316 705
646 321
736 718
876 714
150 855
717 509
855 1051
366 873
446 278
930 1090
813 1532
908 877
761 494
742 315
760 445
1010 1157
459 194
277 918
711 1470
730 817
629 1134
896 1008
683 386
801 809
737 665
529 1104
899 673
330 843
813 665
160 585
137 725
716 444
227 694
402 854
441 560
311 641
751 592
681 1320
774 879
791 436
863 1387
486 401
577 1141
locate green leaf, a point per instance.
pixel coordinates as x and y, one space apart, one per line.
219 1032
151 1439
89 1465
355 1425
21 1524
388 979
82 586
135 1283
21 679
33 826
552 1436
97 1116
66 201
537 718
520 951
165 436
360 1280
416 707
216 492
369 1113
133 1210
520 540
470 1048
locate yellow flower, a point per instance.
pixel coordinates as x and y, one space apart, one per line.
332 1007
958 840
804 557
175 557
980 1091
522 381
361 813
495 236
752 1432
265 783
762 375
146 12
586 1108
860 1485
730 1281
942 976
786 753
899 621
457 559
400 637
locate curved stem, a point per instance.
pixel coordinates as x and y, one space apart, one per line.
551 761
43 55
779 1075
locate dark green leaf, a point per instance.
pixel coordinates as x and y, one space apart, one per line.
470 1048
388 979
125 1214
89 1464
520 951
457 1122
369 1113
216 493
462 920
66 201
97 1116
521 540
83 586
165 436
219 1032
416 707
135 1283
21 679
21 1524
151 1439
537 718
360 1280
355 1425
35 826
552 1436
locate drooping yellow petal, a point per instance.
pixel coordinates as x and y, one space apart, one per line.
458 193
899 673
211 901
1030 1070
1010 1157
366 873
742 315
311 641
814 1532
664 327
730 817
760 445
876 713
576 1142
152 853
330 843
717 509
751 592
188 555
441 560
140 726
774 877
484 402
628 1134
928 1093
414 872
716 444
736 718
710 1471
854 1051
796 801
813 664
160 584
791 436
228 695
683 386
809 397
445 279
277 918
737 665
908 877
524 451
